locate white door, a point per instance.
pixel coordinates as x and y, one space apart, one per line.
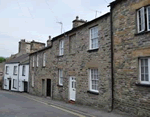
72 88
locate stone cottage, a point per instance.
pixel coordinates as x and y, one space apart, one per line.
131 62
76 65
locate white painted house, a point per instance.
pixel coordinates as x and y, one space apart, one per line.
16 74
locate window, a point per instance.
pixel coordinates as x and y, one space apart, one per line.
60 77
15 70
143 19
37 61
32 80
94 37
44 59
144 70
33 61
148 18
7 68
93 80
14 83
61 47
23 70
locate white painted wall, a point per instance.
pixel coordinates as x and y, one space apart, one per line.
23 78
12 76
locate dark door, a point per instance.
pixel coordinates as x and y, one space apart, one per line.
25 87
49 87
10 84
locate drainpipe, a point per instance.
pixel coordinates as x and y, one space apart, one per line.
112 60
18 76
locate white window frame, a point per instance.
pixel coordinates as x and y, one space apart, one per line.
142 11
23 70
90 80
61 77
61 47
33 61
7 69
144 82
148 20
44 59
96 38
15 70
37 60
33 80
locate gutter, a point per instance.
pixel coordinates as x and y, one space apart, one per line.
112 60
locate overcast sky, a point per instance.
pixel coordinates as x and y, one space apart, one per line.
36 19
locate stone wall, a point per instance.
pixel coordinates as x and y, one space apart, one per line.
77 63
128 47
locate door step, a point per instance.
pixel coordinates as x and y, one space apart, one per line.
71 101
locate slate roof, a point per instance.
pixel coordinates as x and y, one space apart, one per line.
19 59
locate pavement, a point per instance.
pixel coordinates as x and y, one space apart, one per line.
14 104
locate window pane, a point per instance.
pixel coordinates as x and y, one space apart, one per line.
146 77
146 62
142 62
149 17
142 77
146 70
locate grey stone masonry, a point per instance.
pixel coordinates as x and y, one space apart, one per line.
129 46
76 61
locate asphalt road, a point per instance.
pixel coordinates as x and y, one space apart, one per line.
12 105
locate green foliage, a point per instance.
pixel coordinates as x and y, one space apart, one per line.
2 59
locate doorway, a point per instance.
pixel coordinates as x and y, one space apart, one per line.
10 84
25 86
72 88
43 87
49 87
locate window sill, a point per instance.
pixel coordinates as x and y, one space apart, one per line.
14 88
141 33
93 92
60 56
15 74
93 50
43 66
60 85
143 85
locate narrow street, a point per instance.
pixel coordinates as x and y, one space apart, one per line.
12 105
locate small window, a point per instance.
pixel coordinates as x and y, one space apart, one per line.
32 80
61 47
148 18
94 37
141 20
7 69
44 59
23 70
60 77
144 70
94 80
33 61
15 70
37 61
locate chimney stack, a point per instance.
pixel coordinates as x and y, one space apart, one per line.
78 22
49 41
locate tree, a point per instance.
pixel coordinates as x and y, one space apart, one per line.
2 59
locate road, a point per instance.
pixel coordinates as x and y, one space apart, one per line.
13 105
